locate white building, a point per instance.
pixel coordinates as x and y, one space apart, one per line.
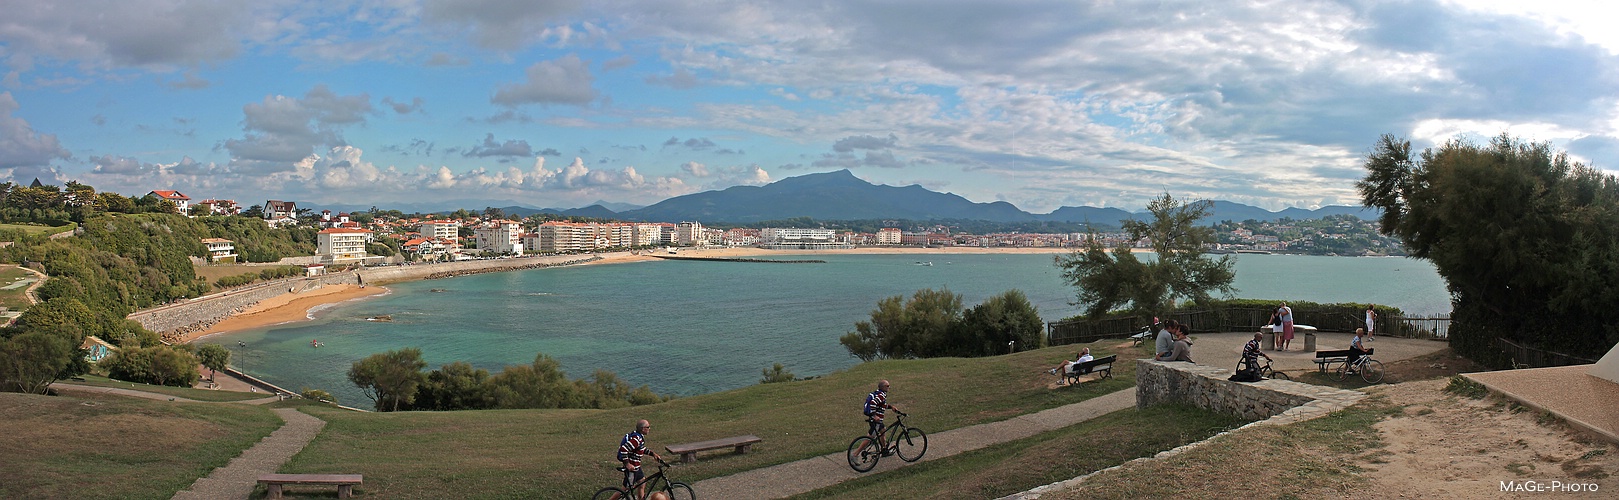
645 235
501 236
440 229
888 236
182 203
220 249
690 234
341 243
798 238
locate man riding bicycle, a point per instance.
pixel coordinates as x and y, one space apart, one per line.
1251 354
876 406
630 451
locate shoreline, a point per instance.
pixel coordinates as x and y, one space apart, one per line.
300 307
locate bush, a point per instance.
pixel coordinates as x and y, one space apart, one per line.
776 374
318 395
153 365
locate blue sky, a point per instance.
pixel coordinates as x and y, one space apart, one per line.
565 103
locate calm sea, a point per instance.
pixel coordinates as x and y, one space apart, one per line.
687 327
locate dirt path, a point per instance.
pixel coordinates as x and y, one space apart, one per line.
1446 446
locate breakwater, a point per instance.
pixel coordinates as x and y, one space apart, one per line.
177 320
731 259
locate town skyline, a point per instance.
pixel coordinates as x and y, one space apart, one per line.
569 104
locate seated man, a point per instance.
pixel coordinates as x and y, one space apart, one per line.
1165 345
1251 353
1066 369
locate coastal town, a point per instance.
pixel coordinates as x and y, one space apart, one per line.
389 236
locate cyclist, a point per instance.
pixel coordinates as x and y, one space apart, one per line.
1356 349
876 406
630 450
1251 354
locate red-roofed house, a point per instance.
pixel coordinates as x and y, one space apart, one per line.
181 202
342 243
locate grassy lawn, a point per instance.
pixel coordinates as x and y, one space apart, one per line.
183 392
104 446
569 453
1038 460
1313 459
37 228
14 299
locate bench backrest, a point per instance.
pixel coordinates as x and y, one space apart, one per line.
1338 353
1097 361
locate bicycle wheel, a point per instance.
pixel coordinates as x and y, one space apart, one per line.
1371 371
610 493
1343 371
912 444
1276 375
863 453
680 491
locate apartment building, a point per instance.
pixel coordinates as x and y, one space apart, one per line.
889 236
645 235
799 238
500 236
690 234
341 243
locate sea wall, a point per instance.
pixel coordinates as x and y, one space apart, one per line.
174 321
1207 387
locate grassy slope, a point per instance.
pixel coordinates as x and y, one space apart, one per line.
117 447
16 298
569 453
184 392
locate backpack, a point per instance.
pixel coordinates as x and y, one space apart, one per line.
865 408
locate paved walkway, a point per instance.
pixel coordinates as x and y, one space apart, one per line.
238 478
811 474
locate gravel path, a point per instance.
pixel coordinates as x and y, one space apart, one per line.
810 474
238 478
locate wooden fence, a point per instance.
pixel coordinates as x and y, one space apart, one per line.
1342 320
1528 357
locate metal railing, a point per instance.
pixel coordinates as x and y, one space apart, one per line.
1248 320
1528 357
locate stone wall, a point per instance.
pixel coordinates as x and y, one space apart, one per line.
174 321
1207 387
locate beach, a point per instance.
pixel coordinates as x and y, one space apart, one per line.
291 308
288 308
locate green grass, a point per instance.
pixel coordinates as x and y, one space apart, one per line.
1313 459
183 392
1049 457
1462 386
569 453
38 228
107 446
14 299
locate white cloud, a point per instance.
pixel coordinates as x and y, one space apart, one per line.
20 144
694 168
561 81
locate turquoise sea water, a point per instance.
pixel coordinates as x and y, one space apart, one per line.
688 327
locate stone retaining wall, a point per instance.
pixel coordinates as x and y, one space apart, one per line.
174 321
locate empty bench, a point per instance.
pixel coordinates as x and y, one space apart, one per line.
1102 364
688 451
1325 359
345 482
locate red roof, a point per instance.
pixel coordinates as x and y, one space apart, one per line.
171 194
344 230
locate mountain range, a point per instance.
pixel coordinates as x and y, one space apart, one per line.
842 196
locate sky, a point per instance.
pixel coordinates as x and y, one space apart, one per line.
562 104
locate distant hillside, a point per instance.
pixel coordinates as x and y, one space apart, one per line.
834 195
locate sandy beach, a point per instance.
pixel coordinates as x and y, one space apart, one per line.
295 307
288 308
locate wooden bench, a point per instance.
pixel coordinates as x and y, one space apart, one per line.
688 451
1324 359
1103 364
345 482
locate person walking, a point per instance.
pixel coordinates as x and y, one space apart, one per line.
1371 320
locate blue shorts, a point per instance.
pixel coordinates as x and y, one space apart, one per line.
633 476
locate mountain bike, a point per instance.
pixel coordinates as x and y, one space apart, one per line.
908 442
1370 370
676 490
1265 371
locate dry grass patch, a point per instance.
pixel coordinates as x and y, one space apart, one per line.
103 446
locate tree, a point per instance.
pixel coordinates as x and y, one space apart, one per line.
390 379
1526 240
988 328
1180 270
900 328
164 365
30 362
214 356
456 386
776 374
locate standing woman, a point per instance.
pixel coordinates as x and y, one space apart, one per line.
1371 317
1286 337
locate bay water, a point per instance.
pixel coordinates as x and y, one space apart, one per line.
692 327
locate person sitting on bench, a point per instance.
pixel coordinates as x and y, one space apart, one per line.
1182 350
1067 367
1165 345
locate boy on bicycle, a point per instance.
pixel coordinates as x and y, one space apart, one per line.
876 406
630 450
1251 353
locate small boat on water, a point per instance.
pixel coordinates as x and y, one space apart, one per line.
924 263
